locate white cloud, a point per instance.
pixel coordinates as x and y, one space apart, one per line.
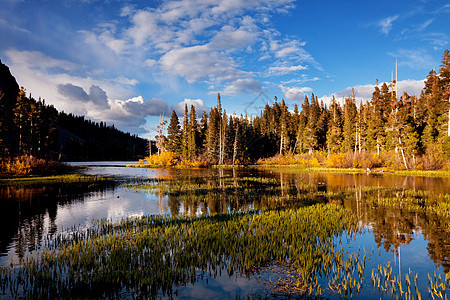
199 63
414 59
288 48
246 85
229 38
151 62
295 93
386 24
438 40
301 79
126 81
364 92
200 40
282 70
82 95
36 59
198 104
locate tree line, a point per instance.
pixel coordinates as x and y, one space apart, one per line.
408 126
31 127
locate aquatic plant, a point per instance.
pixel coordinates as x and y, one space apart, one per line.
56 179
151 255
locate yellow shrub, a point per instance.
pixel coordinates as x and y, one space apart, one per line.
165 159
193 164
290 160
336 160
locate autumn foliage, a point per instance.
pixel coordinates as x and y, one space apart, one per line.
29 165
165 159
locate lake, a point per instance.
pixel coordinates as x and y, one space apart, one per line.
404 221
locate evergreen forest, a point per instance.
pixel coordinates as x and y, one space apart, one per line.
30 127
398 131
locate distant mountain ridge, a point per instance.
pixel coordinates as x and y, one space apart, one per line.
29 126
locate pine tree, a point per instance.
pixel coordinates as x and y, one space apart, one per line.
203 132
193 135
349 130
444 84
334 133
444 75
311 130
230 134
238 148
2 127
322 127
376 132
284 130
212 136
432 96
185 134
160 137
22 113
302 124
174 134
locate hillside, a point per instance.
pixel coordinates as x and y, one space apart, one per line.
29 126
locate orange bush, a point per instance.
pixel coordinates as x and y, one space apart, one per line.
29 165
193 164
165 159
336 160
290 160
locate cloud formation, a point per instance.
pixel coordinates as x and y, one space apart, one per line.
295 93
364 92
386 24
199 40
96 95
198 104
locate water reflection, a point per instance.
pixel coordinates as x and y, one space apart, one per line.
28 214
395 210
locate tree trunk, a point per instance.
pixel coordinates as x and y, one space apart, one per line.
403 154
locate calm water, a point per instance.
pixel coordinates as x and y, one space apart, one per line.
407 239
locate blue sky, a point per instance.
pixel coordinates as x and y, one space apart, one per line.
128 62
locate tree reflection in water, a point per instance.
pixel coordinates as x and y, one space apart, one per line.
394 208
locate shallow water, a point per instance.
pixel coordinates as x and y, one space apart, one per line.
409 240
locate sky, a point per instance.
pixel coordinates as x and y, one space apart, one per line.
130 62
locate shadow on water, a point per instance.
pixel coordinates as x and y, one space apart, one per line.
28 214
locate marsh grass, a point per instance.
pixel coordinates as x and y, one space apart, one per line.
235 193
56 179
153 254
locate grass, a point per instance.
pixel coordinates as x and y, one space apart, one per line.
56 179
152 254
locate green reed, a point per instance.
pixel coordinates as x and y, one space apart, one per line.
56 179
153 254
